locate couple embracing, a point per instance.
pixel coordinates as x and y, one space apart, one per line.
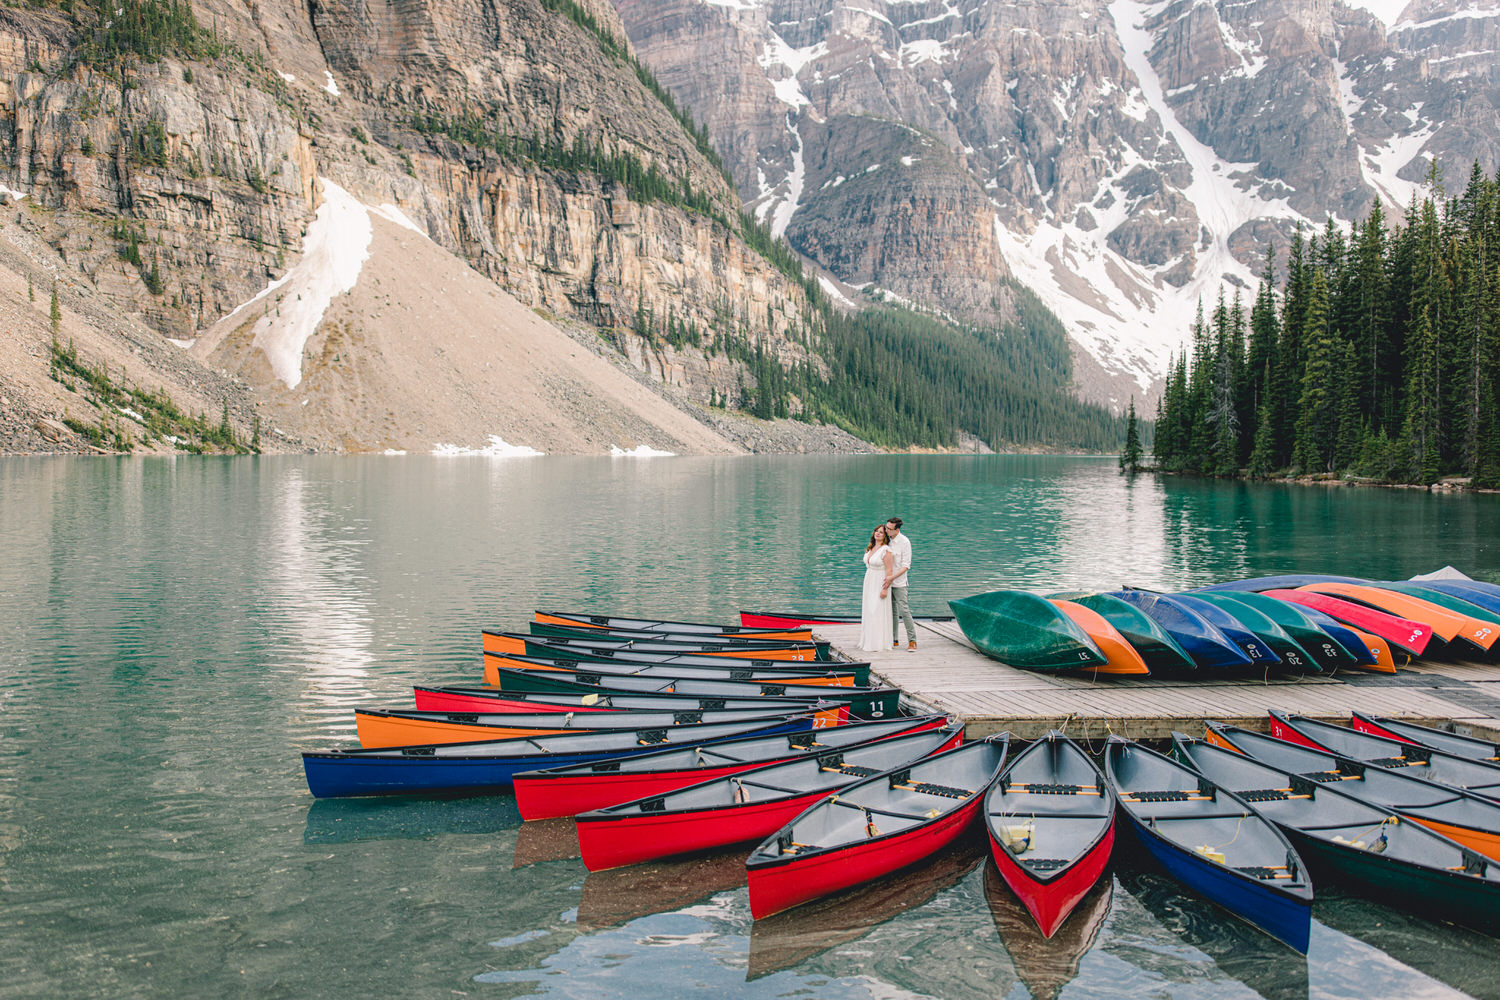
887 560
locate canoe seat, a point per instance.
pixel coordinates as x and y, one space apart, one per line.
1038 788
1166 795
1395 762
1265 871
947 791
857 770
1265 794
1046 864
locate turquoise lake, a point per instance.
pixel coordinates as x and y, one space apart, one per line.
174 632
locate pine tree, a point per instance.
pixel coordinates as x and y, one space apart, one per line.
55 313
1130 456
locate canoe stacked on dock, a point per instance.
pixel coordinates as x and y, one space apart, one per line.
1303 624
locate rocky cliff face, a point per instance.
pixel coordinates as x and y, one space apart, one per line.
1133 158
515 133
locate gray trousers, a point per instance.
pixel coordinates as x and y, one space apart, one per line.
901 612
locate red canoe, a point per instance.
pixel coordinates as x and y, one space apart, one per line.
1408 636
1051 822
874 827
567 791
744 806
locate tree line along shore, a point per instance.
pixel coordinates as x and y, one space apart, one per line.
1378 357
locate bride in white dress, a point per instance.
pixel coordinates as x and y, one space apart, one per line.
875 627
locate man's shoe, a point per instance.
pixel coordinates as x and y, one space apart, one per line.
911 647
895 643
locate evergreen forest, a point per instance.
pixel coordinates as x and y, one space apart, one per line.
1378 358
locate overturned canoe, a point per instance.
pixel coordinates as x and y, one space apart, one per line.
746 806
1051 825
1161 652
1203 641
1408 637
1466 631
1024 630
1290 634
567 791
874 827
1120 657
1212 841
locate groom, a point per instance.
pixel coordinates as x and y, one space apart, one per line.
900 607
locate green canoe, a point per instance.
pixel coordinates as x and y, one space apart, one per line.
1277 639
1326 653
1160 651
1025 630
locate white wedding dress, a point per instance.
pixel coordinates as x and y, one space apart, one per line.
875 627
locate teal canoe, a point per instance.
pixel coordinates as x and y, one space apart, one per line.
1160 651
1025 631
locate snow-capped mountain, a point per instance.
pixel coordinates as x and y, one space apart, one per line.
1123 159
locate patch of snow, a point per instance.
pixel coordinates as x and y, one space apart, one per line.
497 448
1386 10
332 85
907 161
391 213
333 252
923 50
184 344
832 291
131 414
11 193
394 451
289 78
781 217
1462 15
640 451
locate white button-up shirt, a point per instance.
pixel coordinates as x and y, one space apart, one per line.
901 550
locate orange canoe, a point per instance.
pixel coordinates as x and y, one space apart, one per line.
1446 625
1120 656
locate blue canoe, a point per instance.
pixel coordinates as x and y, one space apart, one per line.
1252 645
1339 632
491 765
1288 581
1482 596
1211 841
1202 640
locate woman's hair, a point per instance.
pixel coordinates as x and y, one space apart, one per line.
879 529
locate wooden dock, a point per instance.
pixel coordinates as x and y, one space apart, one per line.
947 674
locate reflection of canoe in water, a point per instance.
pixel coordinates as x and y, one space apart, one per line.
621 895
1457 956
788 939
1235 948
546 840
1046 965
344 821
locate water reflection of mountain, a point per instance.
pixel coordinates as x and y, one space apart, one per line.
343 821
1046 966
618 896
787 940
1461 958
1238 950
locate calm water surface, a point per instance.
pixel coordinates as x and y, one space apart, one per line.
172 633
